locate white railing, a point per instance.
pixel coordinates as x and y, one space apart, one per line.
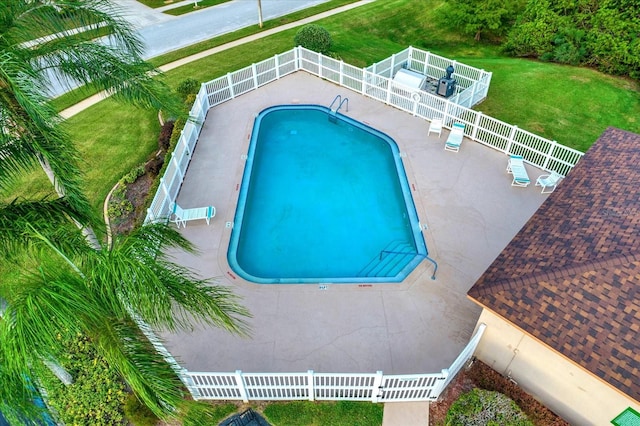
314 386
472 83
536 150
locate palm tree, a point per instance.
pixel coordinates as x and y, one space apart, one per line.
58 281
99 293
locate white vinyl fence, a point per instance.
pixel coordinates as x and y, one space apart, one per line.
374 82
472 83
313 386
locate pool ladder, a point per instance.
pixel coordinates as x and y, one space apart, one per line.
333 112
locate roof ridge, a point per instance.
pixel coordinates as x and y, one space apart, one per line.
506 284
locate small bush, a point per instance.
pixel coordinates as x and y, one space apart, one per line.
133 175
481 407
187 87
96 396
165 135
314 37
154 165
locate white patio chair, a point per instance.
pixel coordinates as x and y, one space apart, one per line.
515 166
435 126
181 216
455 138
548 181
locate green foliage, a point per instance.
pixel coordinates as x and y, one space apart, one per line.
97 395
137 413
133 175
492 18
188 87
314 37
485 408
603 34
302 413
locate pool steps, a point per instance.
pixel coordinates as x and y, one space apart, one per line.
390 261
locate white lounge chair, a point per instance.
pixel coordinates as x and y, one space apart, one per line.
181 216
515 166
435 126
548 181
455 138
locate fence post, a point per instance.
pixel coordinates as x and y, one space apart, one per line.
296 58
552 146
204 96
319 55
276 60
377 393
254 74
388 101
445 113
150 216
240 384
311 386
230 83
439 387
476 125
341 72
512 135
393 65
364 81
426 64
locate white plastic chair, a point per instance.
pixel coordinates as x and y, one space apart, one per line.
515 166
455 138
181 216
435 126
548 181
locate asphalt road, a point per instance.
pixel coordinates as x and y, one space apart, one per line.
162 33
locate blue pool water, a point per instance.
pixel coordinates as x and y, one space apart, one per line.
323 201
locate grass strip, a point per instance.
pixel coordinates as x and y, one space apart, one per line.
192 7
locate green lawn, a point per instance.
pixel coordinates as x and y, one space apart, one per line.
191 7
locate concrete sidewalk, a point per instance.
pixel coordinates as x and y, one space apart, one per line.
406 414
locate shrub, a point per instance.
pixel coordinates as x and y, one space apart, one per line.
313 37
133 175
481 407
187 87
154 165
96 396
165 135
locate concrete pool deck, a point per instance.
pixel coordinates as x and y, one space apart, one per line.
417 326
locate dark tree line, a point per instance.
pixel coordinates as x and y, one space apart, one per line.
604 34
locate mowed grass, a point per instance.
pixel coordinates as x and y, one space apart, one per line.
340 413
192 8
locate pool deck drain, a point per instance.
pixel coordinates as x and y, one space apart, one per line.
468 212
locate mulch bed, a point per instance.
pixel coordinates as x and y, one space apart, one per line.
480 375
136 193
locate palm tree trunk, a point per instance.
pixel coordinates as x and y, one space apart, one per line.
88 233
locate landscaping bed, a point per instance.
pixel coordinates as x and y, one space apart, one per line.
480 375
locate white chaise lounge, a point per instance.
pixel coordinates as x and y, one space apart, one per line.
181 216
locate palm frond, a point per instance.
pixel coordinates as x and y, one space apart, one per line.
20 220
124 347
173 297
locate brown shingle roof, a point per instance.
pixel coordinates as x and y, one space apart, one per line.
571 276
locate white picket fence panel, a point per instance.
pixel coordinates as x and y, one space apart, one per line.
375 82
314 386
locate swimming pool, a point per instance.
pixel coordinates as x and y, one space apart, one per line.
323 201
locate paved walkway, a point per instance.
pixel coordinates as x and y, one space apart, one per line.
406 414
